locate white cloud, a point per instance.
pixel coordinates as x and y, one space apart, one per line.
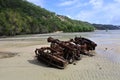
68 2
113 10
37 2
96 3
106 13
117 1
87 15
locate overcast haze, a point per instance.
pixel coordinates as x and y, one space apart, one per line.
93 11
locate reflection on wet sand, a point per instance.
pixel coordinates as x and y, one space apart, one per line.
7 54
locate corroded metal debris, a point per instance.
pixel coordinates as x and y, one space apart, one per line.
62 53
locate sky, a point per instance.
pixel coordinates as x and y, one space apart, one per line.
93 11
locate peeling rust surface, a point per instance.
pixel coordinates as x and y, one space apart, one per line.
62 53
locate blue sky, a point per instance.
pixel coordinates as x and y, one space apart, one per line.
93 11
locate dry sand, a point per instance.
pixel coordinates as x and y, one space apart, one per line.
105 65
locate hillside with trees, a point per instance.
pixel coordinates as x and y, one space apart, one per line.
106 27
22 17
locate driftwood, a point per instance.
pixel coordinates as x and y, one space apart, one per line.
60 53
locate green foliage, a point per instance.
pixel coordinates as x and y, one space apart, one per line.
106 27
22 17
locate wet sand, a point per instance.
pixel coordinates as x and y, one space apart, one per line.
105 65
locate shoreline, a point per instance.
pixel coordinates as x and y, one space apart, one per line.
103 66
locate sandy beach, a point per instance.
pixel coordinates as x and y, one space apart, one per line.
17 61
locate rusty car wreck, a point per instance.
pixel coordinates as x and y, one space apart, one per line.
62 53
